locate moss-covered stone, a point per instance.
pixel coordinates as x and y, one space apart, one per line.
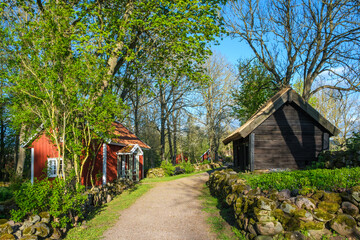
3 221
350 208
343 224
29 231
330 207
318 195
311 225
268 228
322 215
7 236
303 215
5 228
355 188
332 197
306 191
45 217
293 225
281 216
288 207
230 199
266 204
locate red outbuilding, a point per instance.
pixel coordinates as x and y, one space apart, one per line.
120 157
206 156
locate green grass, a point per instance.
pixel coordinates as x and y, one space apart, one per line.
220 217
106 217
322 179
165 179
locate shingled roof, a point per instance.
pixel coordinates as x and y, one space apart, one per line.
123 136
279 99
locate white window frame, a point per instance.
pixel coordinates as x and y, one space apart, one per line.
49 174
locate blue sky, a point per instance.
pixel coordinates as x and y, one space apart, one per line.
233 49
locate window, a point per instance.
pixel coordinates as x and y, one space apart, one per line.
52 164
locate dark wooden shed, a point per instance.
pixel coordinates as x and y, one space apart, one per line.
285 132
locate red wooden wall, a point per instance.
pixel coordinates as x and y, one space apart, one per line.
43 149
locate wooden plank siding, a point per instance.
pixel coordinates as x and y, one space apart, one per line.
289 138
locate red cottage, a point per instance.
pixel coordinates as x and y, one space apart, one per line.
120 157
206 156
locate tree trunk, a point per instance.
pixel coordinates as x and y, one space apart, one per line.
21 156
170 142
162 123
2 140
175 116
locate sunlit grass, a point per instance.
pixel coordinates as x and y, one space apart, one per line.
165 179
107 216
220 218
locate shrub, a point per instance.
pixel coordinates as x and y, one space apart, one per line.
322 179
205 162
57 197
169 169
187 166
5 194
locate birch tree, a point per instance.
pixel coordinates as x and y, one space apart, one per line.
305 38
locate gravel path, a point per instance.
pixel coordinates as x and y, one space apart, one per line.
170 210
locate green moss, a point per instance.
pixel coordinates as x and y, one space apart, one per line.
318 195
281 216
356 188
312 225
345 219
266 204
28 231
305 191
3 221
293 224
330 207
332 197
7 236
44 215
322 215
300 213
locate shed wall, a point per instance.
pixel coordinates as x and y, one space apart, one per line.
287 139
43 149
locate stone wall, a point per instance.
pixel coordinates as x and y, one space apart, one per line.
288 215
339 159
39 226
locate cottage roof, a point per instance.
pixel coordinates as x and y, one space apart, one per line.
129 149
124 137
279 99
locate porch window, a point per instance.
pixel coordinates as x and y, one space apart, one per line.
52 166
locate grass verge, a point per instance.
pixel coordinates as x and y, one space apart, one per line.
220 217
106 216
165 179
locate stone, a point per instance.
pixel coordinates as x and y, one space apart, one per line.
56 234
7 236
5 228
3 221
349 208
318 195
288 208
332 197
30 237
356 196
319 234
284 194
330 207
281 216
295 192
303 215
343 224
322 215
262 237
251 229
45 217
304 202
34 219
295 236
266 204
312 225
268 228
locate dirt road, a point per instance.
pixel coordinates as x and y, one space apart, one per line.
170 210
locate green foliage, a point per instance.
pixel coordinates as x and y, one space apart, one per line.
205 162
321 179
5 194
169 169
187 166
57 197
256 87
353 142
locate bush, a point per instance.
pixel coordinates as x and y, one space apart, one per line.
205 162
5 194
187 166
57 197
169 169
321 179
